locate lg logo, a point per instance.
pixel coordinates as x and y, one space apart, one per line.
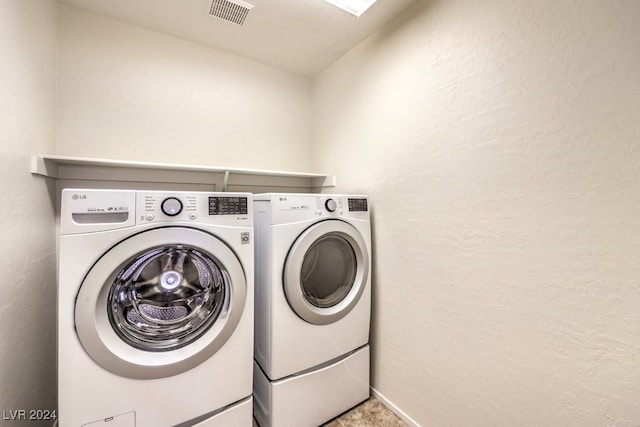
79 196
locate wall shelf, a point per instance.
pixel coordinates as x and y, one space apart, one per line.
223 178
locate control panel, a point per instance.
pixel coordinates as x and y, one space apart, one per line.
159 206
331 205
292 207
92 210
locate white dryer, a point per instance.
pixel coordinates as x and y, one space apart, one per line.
313 305
155 309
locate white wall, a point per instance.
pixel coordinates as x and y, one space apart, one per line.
27 248
500 144
134 94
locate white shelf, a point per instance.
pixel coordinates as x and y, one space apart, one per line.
91 169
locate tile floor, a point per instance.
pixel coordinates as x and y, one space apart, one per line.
370 413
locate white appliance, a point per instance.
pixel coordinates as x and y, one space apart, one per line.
313 305
155 309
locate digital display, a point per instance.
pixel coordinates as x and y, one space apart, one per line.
358 205
228 206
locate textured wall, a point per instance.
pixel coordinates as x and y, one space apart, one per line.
134 94
27 244
500 144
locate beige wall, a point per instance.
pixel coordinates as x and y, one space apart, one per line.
27 248
500 144
134 94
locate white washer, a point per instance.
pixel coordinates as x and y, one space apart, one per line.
313 306
155 309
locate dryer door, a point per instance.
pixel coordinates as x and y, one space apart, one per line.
326 272
160 302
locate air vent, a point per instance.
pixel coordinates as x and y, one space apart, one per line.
234 11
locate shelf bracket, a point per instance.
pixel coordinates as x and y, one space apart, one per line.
225 181
44 167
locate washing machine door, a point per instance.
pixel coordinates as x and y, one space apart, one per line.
326 271
160 302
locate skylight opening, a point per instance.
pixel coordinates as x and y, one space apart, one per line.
355 7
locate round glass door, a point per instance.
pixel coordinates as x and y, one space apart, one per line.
166 297
160 302
326 272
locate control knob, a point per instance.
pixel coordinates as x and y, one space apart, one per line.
331 205
171 206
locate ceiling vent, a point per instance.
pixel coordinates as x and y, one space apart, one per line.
234 11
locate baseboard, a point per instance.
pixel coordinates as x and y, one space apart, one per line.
389 404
